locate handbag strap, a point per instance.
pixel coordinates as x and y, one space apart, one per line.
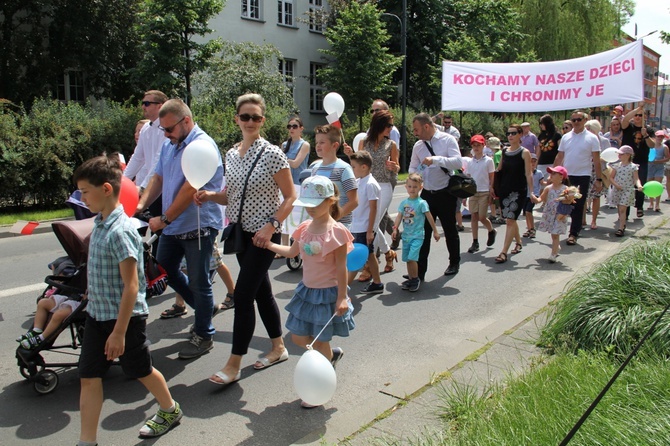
430 149
246 181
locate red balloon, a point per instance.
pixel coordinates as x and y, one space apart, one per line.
128 197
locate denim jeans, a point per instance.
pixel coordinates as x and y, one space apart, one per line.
195 287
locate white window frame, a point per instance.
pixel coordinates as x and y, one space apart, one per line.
287 70
286 12
316 88
252 9
71 87
315 6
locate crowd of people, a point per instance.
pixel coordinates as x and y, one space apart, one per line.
347 199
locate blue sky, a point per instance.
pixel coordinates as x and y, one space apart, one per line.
651 16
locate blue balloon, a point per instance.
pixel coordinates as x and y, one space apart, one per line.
356 259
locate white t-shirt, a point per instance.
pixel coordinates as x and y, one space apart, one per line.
479 170
368 190
578 149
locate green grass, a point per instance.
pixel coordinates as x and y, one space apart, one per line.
10 219
540 407
402 176
612 306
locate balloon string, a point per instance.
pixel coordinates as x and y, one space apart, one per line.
199 244
309 347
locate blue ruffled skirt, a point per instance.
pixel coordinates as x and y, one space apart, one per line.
311 308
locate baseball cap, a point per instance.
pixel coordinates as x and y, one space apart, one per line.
558 169
533 156
478 138
493 142
659 133
626 149
618 107
314 190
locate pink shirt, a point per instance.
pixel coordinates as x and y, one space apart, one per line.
318 268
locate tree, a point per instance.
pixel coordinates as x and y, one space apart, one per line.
170 55
41 39
361 67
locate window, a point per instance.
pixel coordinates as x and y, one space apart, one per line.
315 16
285 12
71 87
286 68
316 88
251 9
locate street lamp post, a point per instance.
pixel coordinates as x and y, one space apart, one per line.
403 51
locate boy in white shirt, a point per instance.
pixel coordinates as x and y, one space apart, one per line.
365 217
480 168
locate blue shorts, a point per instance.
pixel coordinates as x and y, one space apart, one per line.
528 205
410 249
361 237
655 170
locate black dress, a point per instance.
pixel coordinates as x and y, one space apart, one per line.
513 183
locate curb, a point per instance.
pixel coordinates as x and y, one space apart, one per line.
43 228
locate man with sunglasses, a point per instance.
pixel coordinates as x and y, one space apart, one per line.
635 134
184 233
447 125
576 151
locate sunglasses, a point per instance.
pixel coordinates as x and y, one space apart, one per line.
375 110
170 129
577 119
148 103
447 122
567 128
288 126
638 115
245 117
511 133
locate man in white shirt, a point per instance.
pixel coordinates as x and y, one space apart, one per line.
447 125
143 162
445 155
576 151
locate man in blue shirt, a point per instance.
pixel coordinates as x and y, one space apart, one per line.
179 222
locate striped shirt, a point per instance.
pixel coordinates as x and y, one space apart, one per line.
342 176
113 240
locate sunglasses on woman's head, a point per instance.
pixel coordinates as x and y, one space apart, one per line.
245 117
292 126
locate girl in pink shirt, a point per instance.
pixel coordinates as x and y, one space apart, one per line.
323 244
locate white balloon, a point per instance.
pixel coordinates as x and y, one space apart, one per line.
357 139
314 379
333 103
199 162
609 155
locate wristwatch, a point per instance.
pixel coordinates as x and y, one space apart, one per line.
165 220
275 223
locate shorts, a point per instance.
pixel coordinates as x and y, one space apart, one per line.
361 237
136 359
528 205
479 203
655 170
62 302
411 248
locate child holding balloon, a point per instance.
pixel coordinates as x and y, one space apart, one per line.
625 180
323 244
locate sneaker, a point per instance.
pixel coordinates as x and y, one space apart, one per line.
491 238
30 333
31 341
460 228
414 285
553 258
373 288
161 422
196 346
337 355
474 247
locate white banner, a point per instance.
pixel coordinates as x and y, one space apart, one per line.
612 77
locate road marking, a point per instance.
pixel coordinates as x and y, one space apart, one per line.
22 289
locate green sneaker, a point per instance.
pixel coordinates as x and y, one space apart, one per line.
161 422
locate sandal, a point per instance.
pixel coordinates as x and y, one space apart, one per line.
228 302
390 257
640 213
174 311
572 240
526 234
502 258
619 233
531 233
517 248
161 422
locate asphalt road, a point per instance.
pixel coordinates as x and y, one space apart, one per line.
401 341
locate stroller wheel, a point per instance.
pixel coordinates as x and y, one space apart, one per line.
294 263
45 382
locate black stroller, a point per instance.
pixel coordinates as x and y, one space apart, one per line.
74 237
